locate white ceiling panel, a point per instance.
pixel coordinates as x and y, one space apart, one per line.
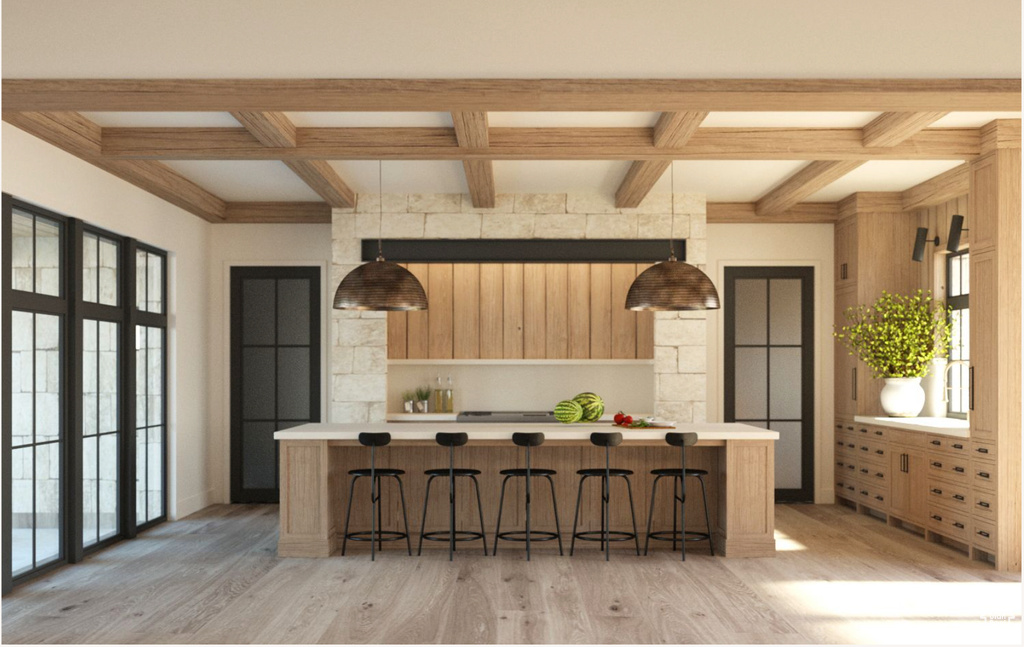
370 119
572 119
246 181
972 119
788 119
162 119
402 176
883 175
729 181
592 176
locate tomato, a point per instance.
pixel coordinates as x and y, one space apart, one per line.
619 417
628 420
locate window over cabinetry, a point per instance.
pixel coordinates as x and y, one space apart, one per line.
958 288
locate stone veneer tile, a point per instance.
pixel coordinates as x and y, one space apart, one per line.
696 251
681 387
614 225
700 411
403 225
370 360
679 332
653 203
693 359
559 225
590 203
691 203
681 226
654 225
666 359
341 359
342 412
358 388
540 203
393 203
362 332
452 225
435 202
698 227
676 411
503 203
506 225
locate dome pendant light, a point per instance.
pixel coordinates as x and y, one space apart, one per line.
380 284
672 285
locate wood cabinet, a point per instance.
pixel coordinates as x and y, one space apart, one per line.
984 396
909 483
846 252
523 311
848 369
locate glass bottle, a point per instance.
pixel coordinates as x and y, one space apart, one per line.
449 397
439 403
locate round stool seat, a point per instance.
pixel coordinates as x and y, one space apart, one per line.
380 471
600 471
674 471
521 471
459 471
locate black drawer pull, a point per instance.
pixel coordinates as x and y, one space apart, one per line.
850 487
957 524
840 463
851 445
839 426
839 484
981 450
864 492
958 497
958 469
984 534
863 430
984 475
863 449
878 433
984 504
936 464
863 470
851 466
849 428
880 475
958 446
879 451
840 443
936 517
880 497
936 491
936 442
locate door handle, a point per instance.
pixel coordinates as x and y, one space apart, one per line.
970 388
855 384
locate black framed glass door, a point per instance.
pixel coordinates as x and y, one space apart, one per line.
275 370
769 366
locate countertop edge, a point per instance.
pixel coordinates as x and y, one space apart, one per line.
897 423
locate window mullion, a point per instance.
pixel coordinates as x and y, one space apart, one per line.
72 385
129 521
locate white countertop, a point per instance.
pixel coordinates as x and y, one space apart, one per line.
451 417
497 431
954 427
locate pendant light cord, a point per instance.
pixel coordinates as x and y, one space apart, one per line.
380 203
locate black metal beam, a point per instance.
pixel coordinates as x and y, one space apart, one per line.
524 250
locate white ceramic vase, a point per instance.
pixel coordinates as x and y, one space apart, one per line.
902 397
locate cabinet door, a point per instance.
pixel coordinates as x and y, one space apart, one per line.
984 346
908 490
845 364
984 202
845 250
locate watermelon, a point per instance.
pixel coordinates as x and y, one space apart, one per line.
568 411
592 404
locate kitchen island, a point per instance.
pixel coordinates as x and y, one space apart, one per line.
314 482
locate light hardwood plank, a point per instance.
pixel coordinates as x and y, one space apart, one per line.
270 128
492 311
946 186
746 212
600 311
579 310
418 345
891 128
534 311
623 321
805 182
644 327
556 311
471 132
398 332
440 299
512 310
289 212
466 310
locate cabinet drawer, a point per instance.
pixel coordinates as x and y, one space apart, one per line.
983 535
983 505
983 450
907 438
950 468
956 497
846 469
871 449
866 431
871 496
952 446
949 523
875 475
846 488
983 475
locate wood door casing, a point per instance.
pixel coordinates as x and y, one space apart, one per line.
517 311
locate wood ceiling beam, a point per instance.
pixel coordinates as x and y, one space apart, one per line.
810 144
275 130
746 212
673 130
805 182
82 138
891 128
488 95
278 212
471 131
941 188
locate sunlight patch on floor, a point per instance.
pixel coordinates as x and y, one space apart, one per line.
784 542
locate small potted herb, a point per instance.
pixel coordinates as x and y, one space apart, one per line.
422 399
897 337
408 400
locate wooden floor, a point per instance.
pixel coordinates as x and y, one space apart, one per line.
214 578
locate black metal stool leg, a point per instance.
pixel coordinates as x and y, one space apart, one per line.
576 517
605 514
480 511
554 504
675 509
423 525
682 517
348 514
632 514
501 506
650 515
707 517
405 516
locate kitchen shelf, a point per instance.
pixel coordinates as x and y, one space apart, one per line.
520 362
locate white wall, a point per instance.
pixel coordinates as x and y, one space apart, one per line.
766 245
39 173
255 244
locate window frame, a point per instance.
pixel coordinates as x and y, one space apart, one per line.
956 303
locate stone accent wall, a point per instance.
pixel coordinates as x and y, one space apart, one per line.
358 363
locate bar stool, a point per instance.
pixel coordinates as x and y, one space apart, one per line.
528 441
451 441
605 536
682 441
373 441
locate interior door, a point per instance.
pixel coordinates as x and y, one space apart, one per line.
769 366
275 370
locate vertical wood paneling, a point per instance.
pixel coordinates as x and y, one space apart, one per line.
556 289
440 328
600 311
534 316
644 327
491 311
398 333
512 315
418 322
466 311
623 321
579 311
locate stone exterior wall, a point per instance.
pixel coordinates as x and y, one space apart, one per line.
358 363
